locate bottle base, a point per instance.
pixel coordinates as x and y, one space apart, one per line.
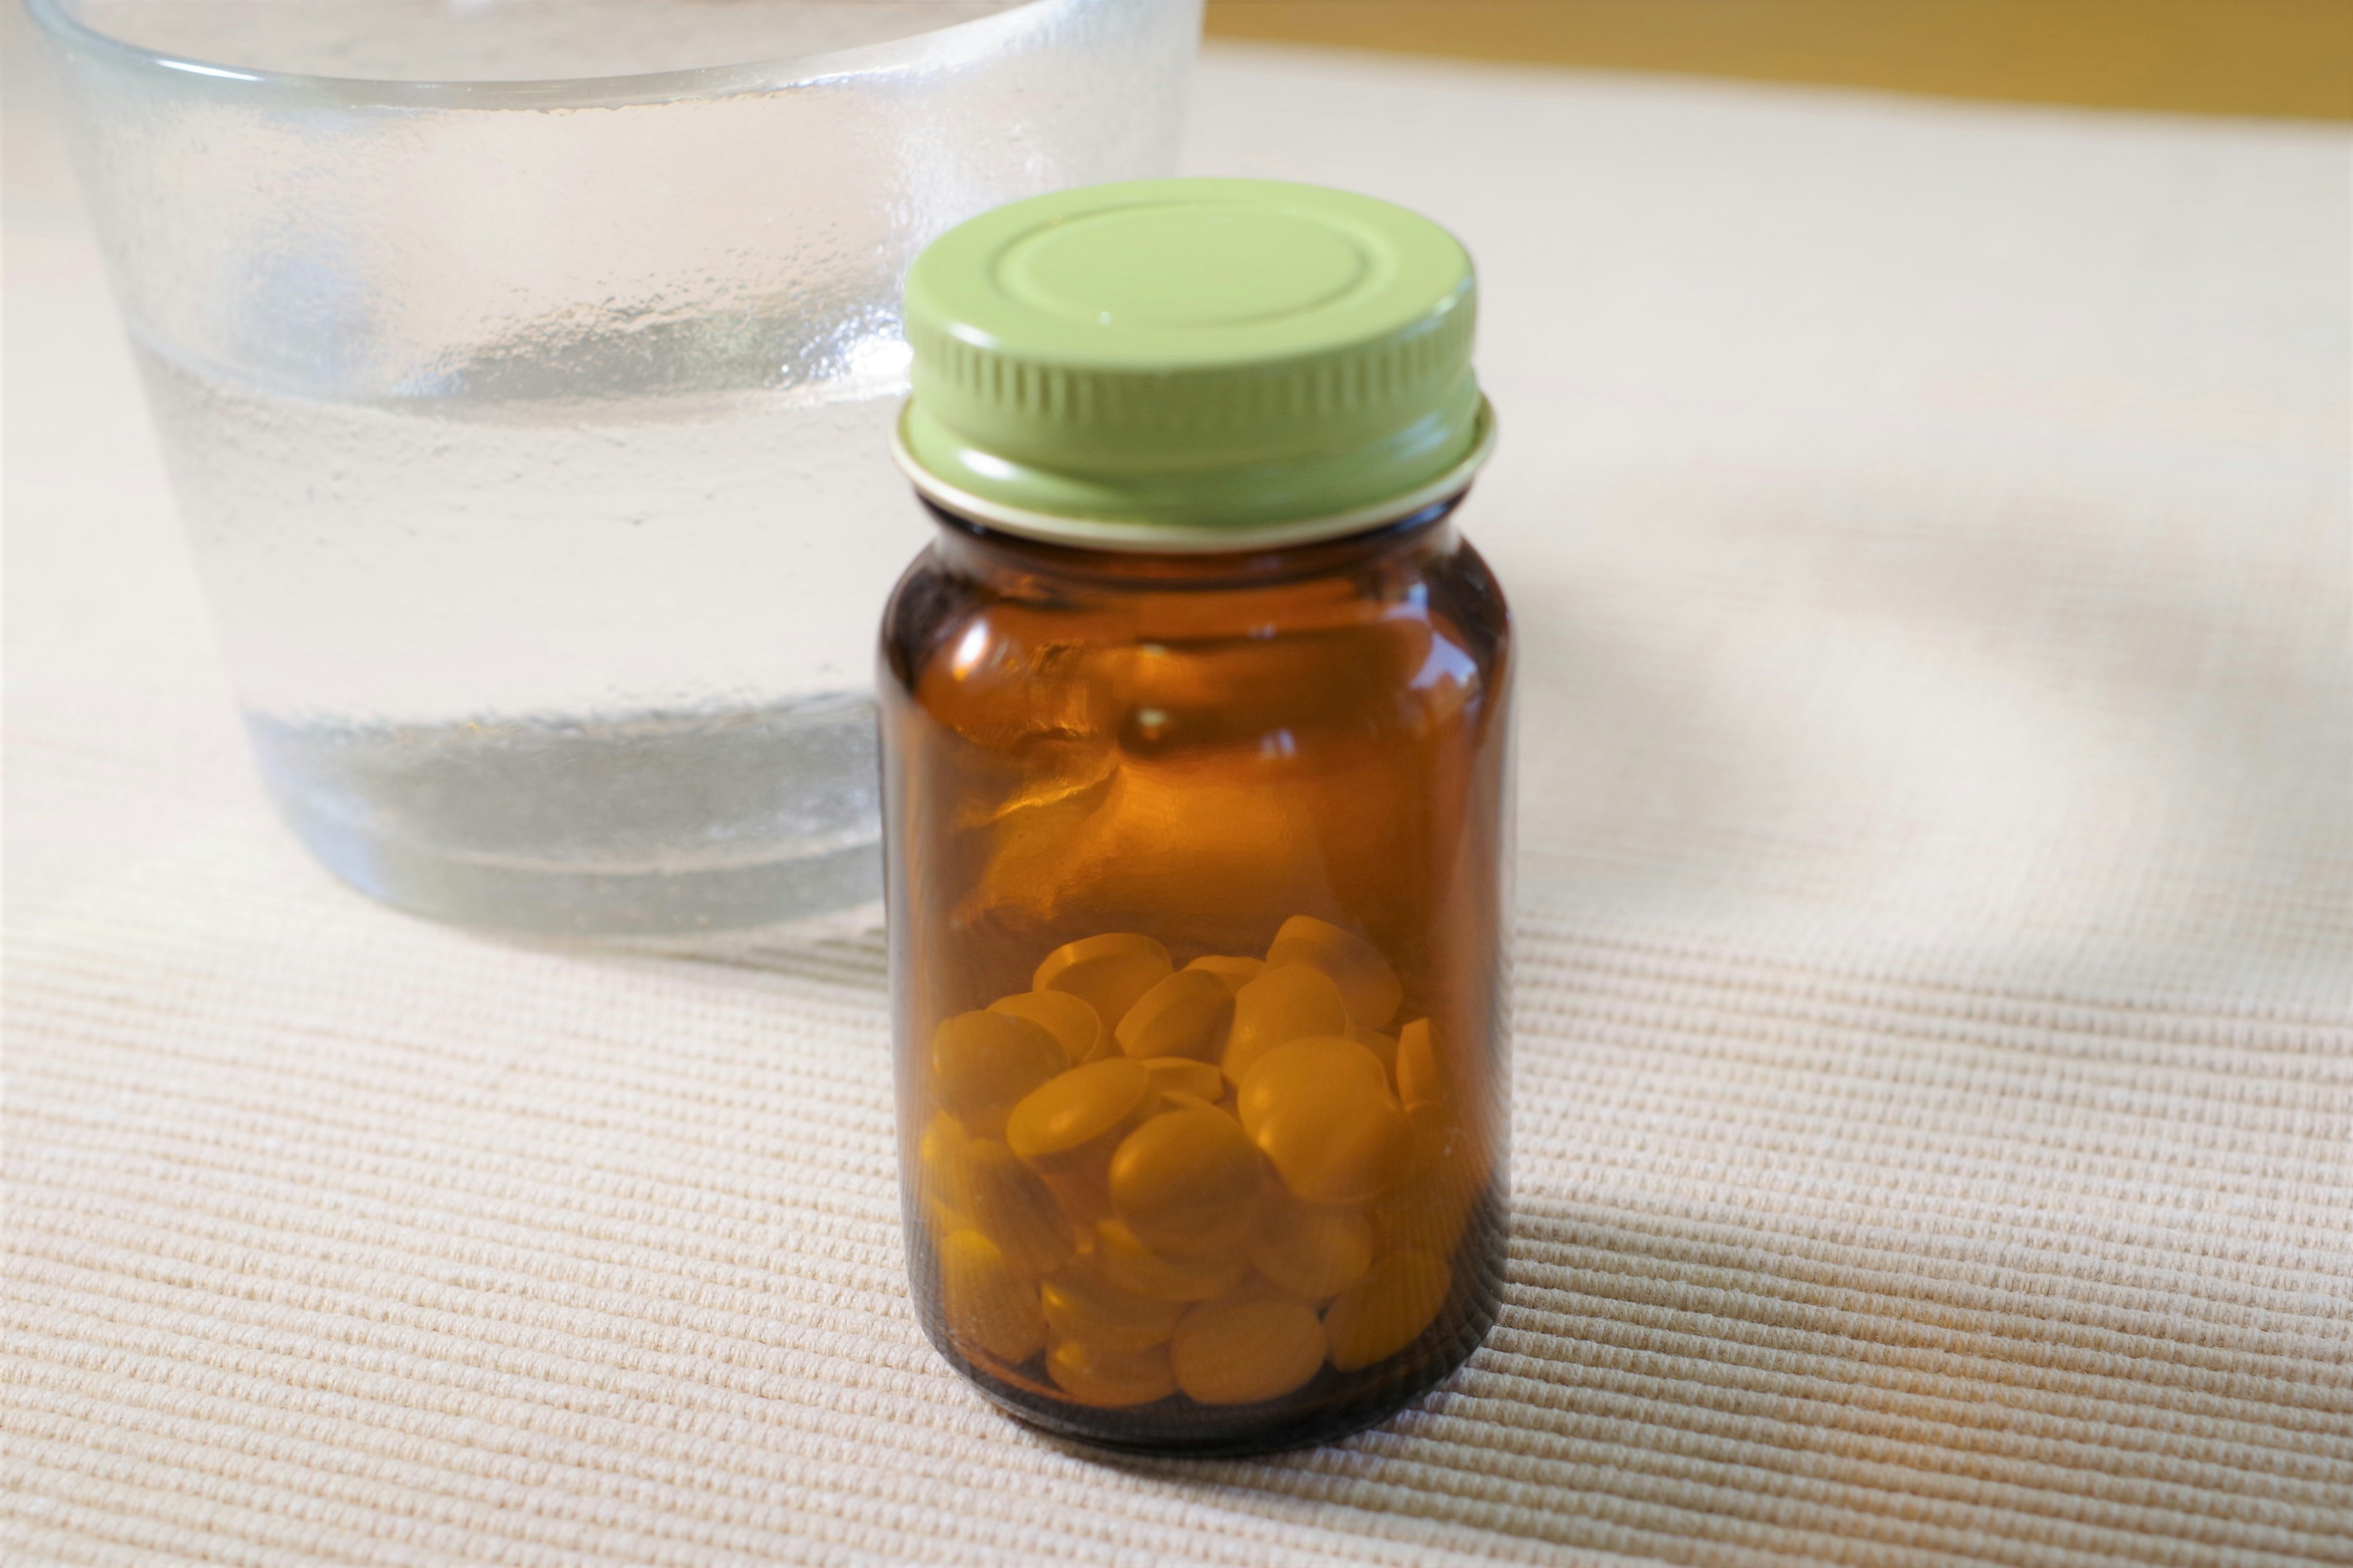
1331 1405
1351 1404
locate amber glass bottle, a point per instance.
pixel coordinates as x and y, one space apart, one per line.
1196 791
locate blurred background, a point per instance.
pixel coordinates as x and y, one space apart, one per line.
2283 57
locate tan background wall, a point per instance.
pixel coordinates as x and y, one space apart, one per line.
2275 57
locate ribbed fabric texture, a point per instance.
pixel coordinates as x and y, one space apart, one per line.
420 1249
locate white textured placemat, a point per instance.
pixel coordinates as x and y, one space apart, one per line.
1934 1102
344 1239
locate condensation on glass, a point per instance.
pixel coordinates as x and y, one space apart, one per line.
521 366
1196 871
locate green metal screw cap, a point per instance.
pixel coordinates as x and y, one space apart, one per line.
1192 364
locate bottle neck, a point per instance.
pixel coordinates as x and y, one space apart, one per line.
1005 560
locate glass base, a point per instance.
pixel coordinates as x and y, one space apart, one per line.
647 825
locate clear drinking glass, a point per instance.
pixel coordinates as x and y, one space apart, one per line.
524 368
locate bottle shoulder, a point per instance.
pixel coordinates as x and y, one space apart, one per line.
1386 641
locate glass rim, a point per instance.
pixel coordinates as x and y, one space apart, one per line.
777 73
